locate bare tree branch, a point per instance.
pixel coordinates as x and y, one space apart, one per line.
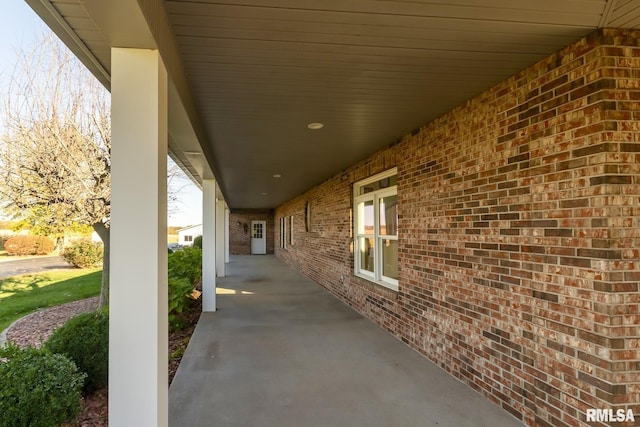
55 153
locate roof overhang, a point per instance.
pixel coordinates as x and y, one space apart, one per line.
248 76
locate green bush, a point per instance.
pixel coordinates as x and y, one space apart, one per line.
38 388
185 270
84 254
85 340
180 291
187 264
29 245
197 242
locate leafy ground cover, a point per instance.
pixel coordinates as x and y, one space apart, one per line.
24 294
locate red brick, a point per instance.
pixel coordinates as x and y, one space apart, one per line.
240 230
518 240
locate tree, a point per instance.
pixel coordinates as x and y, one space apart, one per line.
55 159
176 182
43 221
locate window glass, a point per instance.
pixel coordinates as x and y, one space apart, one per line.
379 185
388 215
367 253
366 220
291 230
283 233
376 229
257 230
390 258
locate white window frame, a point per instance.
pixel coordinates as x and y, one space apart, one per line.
283 232
291 230
375 197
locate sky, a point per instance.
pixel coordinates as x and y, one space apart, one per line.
19 26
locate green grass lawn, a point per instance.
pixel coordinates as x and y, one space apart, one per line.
21 295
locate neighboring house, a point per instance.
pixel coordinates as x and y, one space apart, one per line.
187 234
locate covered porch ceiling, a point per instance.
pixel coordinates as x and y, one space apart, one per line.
248 76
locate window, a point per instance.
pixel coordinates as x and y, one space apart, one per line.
188 238
307 217
257 230
283 233
376 229
291 230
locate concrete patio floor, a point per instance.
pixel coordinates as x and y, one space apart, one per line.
281 351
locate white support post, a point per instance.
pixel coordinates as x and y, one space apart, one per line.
226 235
208 245
138 325
220 239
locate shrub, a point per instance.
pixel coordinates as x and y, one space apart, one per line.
180 291
85 340
197 242
44 245
84 254
38 388
185 270
187 264
3 240
29 245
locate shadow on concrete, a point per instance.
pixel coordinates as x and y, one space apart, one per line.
281 351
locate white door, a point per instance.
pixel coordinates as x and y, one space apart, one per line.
258 237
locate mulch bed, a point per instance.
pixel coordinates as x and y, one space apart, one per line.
178 340
36 328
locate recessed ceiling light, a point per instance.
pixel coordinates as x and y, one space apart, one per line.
264 194
276 175
315 126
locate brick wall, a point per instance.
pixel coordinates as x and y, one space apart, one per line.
519 236
240 230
